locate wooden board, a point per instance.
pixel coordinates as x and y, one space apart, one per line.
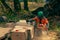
24 28
18 34
4 31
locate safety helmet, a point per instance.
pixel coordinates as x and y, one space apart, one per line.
40 13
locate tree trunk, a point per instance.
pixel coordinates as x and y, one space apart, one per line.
26 5
35 0
17 6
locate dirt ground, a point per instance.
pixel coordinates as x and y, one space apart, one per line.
52 35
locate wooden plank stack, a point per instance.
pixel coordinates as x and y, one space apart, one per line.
3 32
20 33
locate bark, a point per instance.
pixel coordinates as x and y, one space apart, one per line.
6 6
26 5
17 6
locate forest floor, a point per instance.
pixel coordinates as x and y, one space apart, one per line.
52 35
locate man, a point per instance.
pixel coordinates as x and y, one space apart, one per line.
41 21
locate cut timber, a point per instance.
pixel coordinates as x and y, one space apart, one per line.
18 34
4 31
23 30
21 23
10 25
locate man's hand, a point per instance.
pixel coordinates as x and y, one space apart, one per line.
40 26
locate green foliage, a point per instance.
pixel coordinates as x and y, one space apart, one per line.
54 24
24 14
10 16
42 1
0 2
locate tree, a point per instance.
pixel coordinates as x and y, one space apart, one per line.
35 0
9 10
26 5
53 7
5 5
17 6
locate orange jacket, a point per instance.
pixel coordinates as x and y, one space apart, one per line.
43 21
